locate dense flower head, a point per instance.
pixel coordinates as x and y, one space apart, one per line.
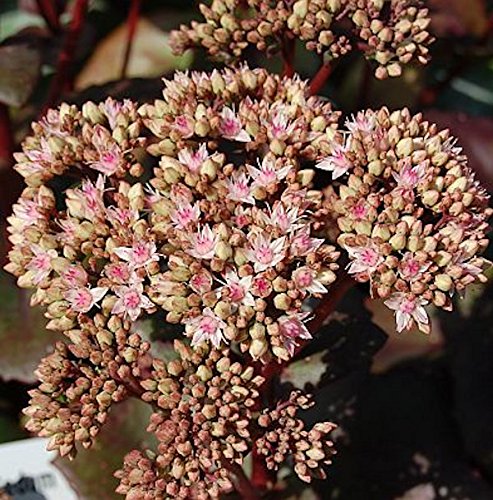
219 228
408 210
207 421
204 404
238 212
390 32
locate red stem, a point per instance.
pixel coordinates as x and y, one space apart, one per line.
321 77
48 11
288 48
261 475
364 86
132 20
63 79
243 486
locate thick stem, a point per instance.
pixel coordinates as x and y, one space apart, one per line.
364 86
132 20
48 11
243 485
321 77
63 79
288 48
261 475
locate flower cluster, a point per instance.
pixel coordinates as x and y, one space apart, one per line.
200 205
408 210
207 421
223 236
200 209
204 404
99 364
391 32
237 210
285 436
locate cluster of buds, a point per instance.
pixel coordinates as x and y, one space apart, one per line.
200 205
97 366
72 401
223 235
390 32
205 404
285 436
408 210
207 422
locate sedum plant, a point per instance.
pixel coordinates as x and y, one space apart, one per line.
235 211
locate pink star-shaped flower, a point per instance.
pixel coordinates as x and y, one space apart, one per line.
408 308
83 299
206 328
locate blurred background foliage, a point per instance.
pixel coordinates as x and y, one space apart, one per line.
414 411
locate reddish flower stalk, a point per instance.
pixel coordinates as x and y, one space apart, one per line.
243 485
48 10
132 20
261 476
288 49
63 79
320 78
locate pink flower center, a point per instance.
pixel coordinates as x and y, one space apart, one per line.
118 272
82 298
291 328
196 161
236 292
304 279
369 257
262 285
41 262
230 127
241 220
359 211
302 242
184 215
131 299
267 176
182 125
208 325
203 244
407 306
200 283
141 254
411 267
264 254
